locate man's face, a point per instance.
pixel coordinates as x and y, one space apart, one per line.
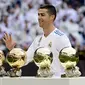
43 17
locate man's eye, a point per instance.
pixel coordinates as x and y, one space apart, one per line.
42 14
38 14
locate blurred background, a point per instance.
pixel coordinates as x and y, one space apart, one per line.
20 19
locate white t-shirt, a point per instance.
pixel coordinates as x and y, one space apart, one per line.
56 41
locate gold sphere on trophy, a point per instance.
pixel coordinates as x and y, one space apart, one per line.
43 58
2 59
16 58
69 60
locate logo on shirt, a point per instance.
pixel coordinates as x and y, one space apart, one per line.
50 45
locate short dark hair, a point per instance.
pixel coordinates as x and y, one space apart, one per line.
51 9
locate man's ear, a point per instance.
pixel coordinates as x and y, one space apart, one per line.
53 17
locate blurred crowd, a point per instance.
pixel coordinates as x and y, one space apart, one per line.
20 19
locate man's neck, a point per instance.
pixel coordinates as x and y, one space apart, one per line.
47 30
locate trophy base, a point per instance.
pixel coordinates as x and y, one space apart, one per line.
14 72
2 71
44 73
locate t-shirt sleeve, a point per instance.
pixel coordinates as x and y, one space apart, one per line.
63 43
31 50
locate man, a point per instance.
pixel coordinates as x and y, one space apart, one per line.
52 38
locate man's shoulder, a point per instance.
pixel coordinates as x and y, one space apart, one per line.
59 35
58 32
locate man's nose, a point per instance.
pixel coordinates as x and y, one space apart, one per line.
39 17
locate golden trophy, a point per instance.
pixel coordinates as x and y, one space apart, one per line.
2 59
69 59
43 58
16 58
